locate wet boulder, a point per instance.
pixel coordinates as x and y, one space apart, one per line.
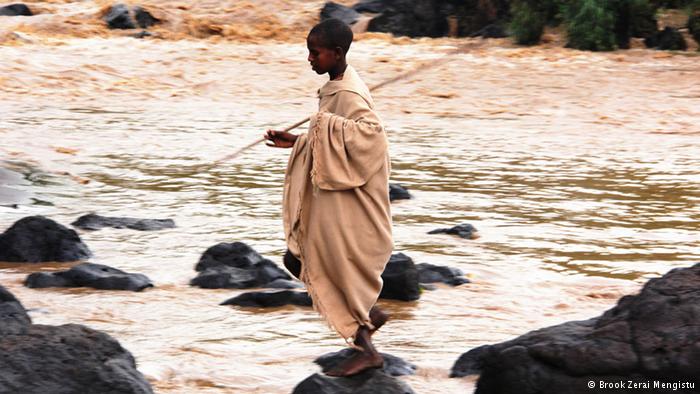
17 9
393 366
92 275
400 279
370 6
371 381
35 239
398 192
668 39
95 222
238 266
464 230
120 16
268 299
491 31
13 317
694 27
429 273
339 11
647 336
39 359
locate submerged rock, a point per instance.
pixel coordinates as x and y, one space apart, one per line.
647 336
17 9
13 317
371 6
464 230
238 266
400 279
398 192
95 222
339 11
120 16
90 275
393 366
668 39
35 239
429 273
267 299
40 359
372 381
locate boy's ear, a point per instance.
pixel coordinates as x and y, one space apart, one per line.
339 53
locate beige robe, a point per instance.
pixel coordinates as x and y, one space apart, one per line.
337 217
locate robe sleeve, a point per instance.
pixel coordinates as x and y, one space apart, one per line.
347 150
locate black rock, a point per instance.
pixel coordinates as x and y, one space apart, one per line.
96 222
338 11
238 266
144 18
142 34
90 275
464 230
263 299
393 366
400 279
35 239
13 316
649 336
370 381
491 31
17 9
668 39
67 359
398 192
119 16
429 273
469 363
694 27
371 6
236 254
284 284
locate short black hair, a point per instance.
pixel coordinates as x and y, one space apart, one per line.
333 33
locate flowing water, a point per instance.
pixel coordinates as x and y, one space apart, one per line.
581 171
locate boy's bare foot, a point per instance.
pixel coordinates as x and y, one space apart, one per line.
367 358
357 363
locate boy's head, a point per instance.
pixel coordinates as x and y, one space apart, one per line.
328 42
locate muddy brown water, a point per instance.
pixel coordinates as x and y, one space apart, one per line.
580 170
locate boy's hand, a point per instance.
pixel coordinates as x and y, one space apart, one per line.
280 139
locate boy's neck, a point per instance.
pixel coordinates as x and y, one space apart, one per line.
338 71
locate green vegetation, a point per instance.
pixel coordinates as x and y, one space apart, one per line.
528 22
590 25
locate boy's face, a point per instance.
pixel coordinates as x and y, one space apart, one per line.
322 59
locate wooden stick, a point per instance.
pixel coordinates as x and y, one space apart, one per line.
399 77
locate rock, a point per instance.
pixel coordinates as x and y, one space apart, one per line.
39 359
694 27
647 336
338 11
371 381
370 6
35 239
398 192
464 230
284 284
393 366
142 34
400 279
429 18
13 317
67 359
90 275
429 273
668 39
491 31
238 266
263 299
119 16
17 9
469 363
96 222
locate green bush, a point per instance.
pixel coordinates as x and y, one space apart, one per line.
590 25
527 24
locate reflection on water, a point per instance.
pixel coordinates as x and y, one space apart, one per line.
563 161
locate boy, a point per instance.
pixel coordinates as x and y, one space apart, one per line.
337 217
